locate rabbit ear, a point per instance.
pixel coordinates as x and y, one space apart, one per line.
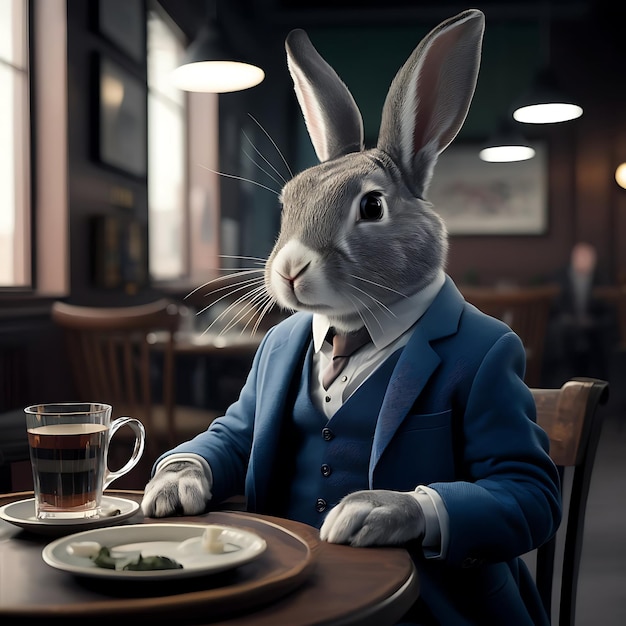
331 114
429 98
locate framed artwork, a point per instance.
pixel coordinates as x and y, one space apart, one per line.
479 198
122 119
123 23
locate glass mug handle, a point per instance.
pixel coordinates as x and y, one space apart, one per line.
140 440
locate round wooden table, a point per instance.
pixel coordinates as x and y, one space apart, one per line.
299 580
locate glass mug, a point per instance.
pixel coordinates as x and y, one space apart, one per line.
69 445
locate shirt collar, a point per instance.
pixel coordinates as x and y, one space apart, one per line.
398 319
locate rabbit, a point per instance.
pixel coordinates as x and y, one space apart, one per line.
366 197
451 437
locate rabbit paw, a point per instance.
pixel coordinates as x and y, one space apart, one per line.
178 488
374 518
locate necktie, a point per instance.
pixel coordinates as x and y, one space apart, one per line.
344 346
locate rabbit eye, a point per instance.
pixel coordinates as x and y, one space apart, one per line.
371 207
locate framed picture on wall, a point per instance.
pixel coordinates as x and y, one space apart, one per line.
122 118
123 23
479 198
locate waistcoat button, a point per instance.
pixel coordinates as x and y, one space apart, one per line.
320 505
326 471
327 434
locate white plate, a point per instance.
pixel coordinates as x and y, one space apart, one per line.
241 546
22 513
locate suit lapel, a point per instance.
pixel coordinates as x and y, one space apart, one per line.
285 361
416 365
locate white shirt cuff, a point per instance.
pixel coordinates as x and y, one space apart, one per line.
190 458
435 543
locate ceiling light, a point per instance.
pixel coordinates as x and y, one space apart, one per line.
545 103
620 175
506 145
208 66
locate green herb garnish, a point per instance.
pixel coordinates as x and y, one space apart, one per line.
133 562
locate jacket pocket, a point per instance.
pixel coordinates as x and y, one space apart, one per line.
420 452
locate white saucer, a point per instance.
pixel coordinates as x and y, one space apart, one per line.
22 514
181 542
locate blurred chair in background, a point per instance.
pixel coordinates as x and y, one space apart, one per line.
115 359
526 310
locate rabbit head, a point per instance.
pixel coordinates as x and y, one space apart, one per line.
357 232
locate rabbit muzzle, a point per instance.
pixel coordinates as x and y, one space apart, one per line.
296 279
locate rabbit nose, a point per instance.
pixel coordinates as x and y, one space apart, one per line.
292 273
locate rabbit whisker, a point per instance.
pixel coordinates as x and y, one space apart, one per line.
260 302
371 282
222 316
244 284
241 178
245 258
376 301
267 307
247 304
266 161
239 273
362 304
262 168
273 143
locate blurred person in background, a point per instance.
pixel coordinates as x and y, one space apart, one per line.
582 328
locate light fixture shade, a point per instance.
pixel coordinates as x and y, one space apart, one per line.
506 145
545 103
208 67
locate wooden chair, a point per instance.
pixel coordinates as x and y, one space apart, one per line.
114 359
570 417
526 311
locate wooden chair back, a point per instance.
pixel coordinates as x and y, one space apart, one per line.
526 311
113 359
570 417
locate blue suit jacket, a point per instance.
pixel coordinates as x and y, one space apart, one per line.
456 416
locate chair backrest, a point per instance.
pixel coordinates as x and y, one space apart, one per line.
526 311
570 417
113 358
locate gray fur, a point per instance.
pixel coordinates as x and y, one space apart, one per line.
325 259
180 488
330 112
374 518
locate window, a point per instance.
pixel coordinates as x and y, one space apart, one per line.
15 250
183 188
167 180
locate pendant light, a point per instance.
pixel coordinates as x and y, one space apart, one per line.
620 175
210 66
506 145
545 102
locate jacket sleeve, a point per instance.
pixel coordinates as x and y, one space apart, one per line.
509 502
226 444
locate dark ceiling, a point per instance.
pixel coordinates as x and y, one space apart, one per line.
307 13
